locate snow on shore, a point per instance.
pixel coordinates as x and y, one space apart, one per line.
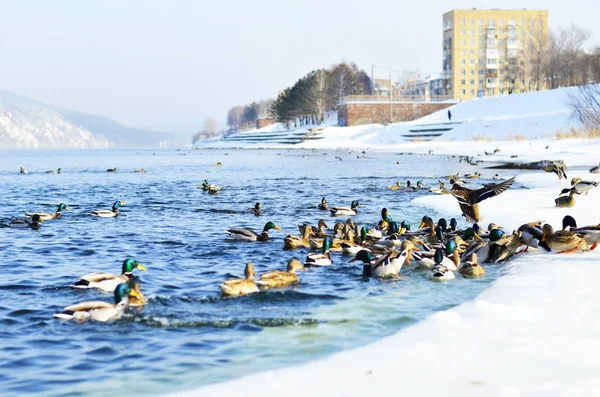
532 332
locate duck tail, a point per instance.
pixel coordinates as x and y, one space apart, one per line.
81 284
66 315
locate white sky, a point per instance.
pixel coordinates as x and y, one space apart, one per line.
167 65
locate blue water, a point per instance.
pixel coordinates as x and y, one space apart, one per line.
188 335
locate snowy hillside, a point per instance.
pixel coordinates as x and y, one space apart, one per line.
26 123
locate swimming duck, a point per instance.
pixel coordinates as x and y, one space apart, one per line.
108 281
345 211
595 170
471 269
323 205
23 171
321 226
53 172
136 298
46 217
469 199
240 286
109 213
293 242
582 186
348 248
566 201
245 234
34 223
277 278
323 259
256 210
397 186
425 259
217 164
591 234
141 170
204 185
99 310
439 272
563 241
387 265
214 189
112 169
557 167
475 175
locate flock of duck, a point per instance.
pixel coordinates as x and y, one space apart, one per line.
439 248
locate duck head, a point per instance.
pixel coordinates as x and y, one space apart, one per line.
117 204
439 233
451 247
257 206
443 224
294 265
575 181
569 223
453 224
438 257
548 230
470 233
404 227
327 244
384 215
249 271
129 264
122 293
496 234
363 234
323 201
426 221
36 219
394 227
363 255
62 206
355 204
269 226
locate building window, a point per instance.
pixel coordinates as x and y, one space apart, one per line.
481 82
481 72
462 22
480 22
462 92
501 22
463 72
491 23
491 42
481 32
492 61
501 32
540 23
462 82
472 91
502 42
463 62
462 32
481 62
472 42
481 52
481 42
522 22
490 92
462 52
471 62
471 32
522 32
501 81
502 62
462 42
531 22
531 32
501 71
491 81
472 22
472 82
472 51
512 23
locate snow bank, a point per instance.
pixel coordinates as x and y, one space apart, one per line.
532 332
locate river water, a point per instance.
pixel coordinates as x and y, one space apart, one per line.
188 335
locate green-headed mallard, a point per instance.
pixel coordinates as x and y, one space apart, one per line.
293 242
109 213
469 199
322 259
505 247
53 171
475 175
46 217
591 234
99 310
277 278
240 286
387 265
345 211
112 169
256 210
439 272
563 240
595 170
245 234
566 201
471 269
323 205
108 281
34 223
582 186
348 248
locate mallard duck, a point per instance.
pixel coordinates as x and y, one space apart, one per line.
136 298
479 247
323 259
23 171
141 170
563 241
469 199
557 167
277 278
345 211
416 187
293 242
595 170
109 213
46 217
397 186
256 210
582 186
471 269
108 281
531 235
323 205
435 233
99 310
204 185
439 272
217 164
475 175
505 247
321 226
34 223
112 169
591 234
213 189
388 265
53 171
245 234
348 248
240 286
425 260
566 201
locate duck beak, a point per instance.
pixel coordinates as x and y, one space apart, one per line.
402 231
477 236
67 208
134 293
122 202
277 227
139 266
421 224
543 238
41 220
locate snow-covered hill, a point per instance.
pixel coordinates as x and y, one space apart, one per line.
26 123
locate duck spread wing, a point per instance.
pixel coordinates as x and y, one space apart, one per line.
493 189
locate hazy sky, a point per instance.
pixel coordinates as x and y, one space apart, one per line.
167 65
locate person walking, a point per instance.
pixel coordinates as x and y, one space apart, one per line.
449 115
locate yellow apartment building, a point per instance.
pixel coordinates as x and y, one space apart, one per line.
493 52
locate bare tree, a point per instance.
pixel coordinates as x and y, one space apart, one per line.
234 116
585 104
210 126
